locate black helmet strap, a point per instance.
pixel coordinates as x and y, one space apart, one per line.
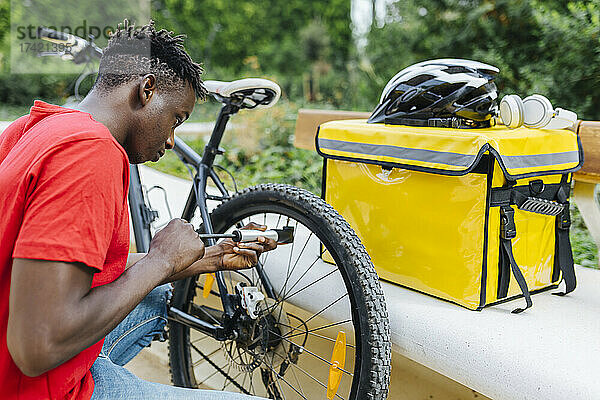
450 122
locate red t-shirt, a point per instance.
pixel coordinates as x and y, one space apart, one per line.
63 197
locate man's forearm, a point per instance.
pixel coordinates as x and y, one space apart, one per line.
132 258
211 262
125 293
100 310
74 318
109 304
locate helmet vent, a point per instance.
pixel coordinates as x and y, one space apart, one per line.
480 91
446 89
417 80
415 104
484 106
457 69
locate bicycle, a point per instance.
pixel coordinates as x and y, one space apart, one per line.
309 318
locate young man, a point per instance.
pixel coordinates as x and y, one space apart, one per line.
65 278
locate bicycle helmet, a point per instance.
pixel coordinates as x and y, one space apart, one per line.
446 93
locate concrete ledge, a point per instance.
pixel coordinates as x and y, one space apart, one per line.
549 352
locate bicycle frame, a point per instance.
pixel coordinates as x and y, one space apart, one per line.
142 216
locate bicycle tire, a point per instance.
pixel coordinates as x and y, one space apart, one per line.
363 295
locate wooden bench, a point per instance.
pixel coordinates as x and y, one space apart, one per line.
443 351
584 190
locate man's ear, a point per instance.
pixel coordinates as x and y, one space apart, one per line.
147 88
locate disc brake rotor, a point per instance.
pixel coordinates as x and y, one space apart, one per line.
267 346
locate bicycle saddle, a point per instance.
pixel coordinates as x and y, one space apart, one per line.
254 92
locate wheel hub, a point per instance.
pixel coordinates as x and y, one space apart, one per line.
261 340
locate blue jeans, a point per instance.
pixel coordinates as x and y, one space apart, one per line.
136 331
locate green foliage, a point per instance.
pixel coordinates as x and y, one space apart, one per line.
541 46
11 112
22 89
51 78
315 42
226 35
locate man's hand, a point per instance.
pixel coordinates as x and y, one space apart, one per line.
178 245
228 255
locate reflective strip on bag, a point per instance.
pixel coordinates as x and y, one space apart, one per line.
540 160
399 153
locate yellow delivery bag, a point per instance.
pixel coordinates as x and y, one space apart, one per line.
473 216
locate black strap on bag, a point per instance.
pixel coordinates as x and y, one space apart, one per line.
563 254
508 231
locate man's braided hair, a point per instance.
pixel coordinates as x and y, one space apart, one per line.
133 52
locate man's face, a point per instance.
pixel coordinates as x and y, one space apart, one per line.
156 123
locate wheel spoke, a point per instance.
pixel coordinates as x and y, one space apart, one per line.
266 255
244 380
299 256
297 281
287 275
225 381
325 308
315 379
251 373
289 361
297 328
309 285
311 353
215 366
296 378
306 271
200 361
279 384
271 367
214 373
228 381
319 328
280 377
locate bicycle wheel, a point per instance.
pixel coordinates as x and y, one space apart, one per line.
323 332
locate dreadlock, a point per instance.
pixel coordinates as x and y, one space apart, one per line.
134 52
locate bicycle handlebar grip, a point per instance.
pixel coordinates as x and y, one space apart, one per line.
55 36
76 44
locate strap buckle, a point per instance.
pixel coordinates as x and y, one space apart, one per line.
564 220
508 229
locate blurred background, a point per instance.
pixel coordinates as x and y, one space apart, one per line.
339 54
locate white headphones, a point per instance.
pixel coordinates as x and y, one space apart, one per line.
534 111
